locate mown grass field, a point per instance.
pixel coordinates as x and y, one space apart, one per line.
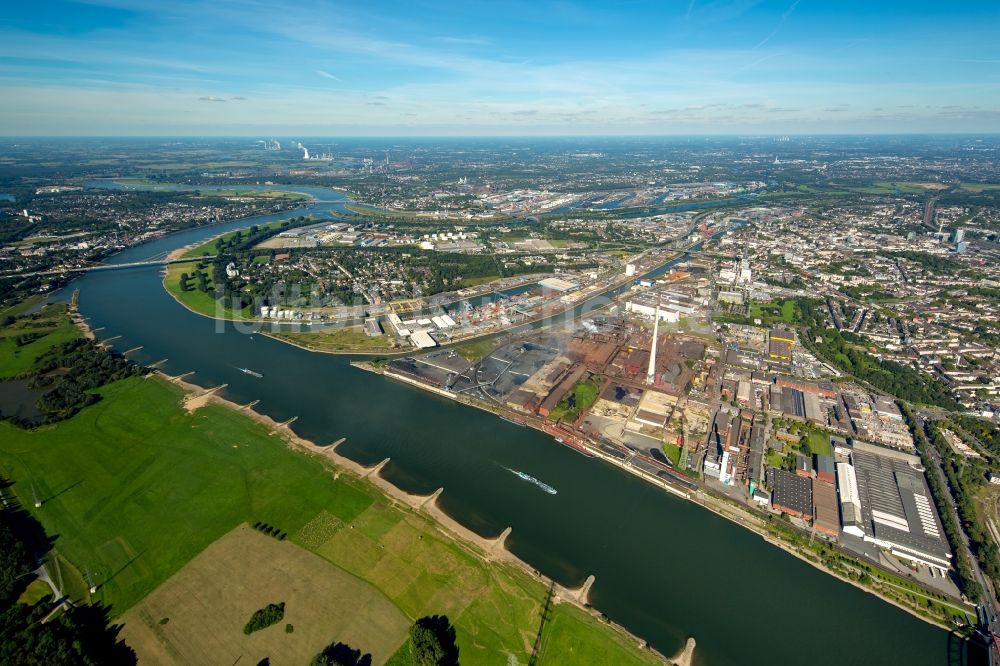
197 616
49 327
135 488
35 592
979 187
19 308
771 313
495 607
818 443
476 281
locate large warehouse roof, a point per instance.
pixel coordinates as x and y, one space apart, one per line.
897 508
792 492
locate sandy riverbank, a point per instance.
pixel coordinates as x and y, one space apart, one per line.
686 656
77 318
181 251
490 549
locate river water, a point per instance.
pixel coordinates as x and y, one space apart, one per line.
665 568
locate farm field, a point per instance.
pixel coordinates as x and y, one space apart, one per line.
197 615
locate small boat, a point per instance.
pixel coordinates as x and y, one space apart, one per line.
530 479
510 420
248 371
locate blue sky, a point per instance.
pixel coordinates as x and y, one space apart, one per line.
525 67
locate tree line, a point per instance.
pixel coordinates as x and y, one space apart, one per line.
967 582
966 477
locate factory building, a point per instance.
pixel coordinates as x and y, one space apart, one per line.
824 467
557 284
422 340
790 493
718 436
780 344
668 305
649 309
372 327
850 500
418 330
897 511
825 508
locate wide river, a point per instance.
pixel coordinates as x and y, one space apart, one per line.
666 569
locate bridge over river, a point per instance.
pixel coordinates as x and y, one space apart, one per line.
112 267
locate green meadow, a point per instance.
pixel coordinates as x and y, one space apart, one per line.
135 487
31 336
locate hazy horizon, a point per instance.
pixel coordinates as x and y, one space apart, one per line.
689 67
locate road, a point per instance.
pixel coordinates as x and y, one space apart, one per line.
989 600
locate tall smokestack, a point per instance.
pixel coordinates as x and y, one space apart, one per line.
651 373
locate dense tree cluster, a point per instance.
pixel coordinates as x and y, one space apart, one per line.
78 636
265 617
70 373
15 559
866 293
432 642
930 262
238 241
984 431
341 654
939 490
